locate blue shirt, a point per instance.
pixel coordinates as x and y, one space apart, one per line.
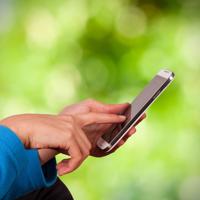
20 169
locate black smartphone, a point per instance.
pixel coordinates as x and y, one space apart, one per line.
136 109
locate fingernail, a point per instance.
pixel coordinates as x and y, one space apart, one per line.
122 117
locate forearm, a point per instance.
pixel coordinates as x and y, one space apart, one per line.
13 123
22 166
12 160
16 123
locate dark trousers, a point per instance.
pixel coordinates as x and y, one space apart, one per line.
56 192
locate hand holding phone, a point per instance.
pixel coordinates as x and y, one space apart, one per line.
134 112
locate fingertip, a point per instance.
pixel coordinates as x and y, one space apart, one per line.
122 117
121 143
63 171
144 116
133 130
131 133
60 173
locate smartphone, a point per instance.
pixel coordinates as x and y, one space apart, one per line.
136 109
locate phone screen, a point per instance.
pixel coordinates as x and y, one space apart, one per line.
137 108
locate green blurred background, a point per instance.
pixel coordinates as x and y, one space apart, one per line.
54 53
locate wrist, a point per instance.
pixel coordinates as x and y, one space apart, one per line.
13 123
46 154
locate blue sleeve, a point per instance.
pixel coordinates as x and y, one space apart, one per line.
20 169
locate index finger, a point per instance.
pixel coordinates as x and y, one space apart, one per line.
99 118
100 107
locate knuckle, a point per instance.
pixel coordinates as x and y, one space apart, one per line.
70 127
69 135
71 119
67 118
